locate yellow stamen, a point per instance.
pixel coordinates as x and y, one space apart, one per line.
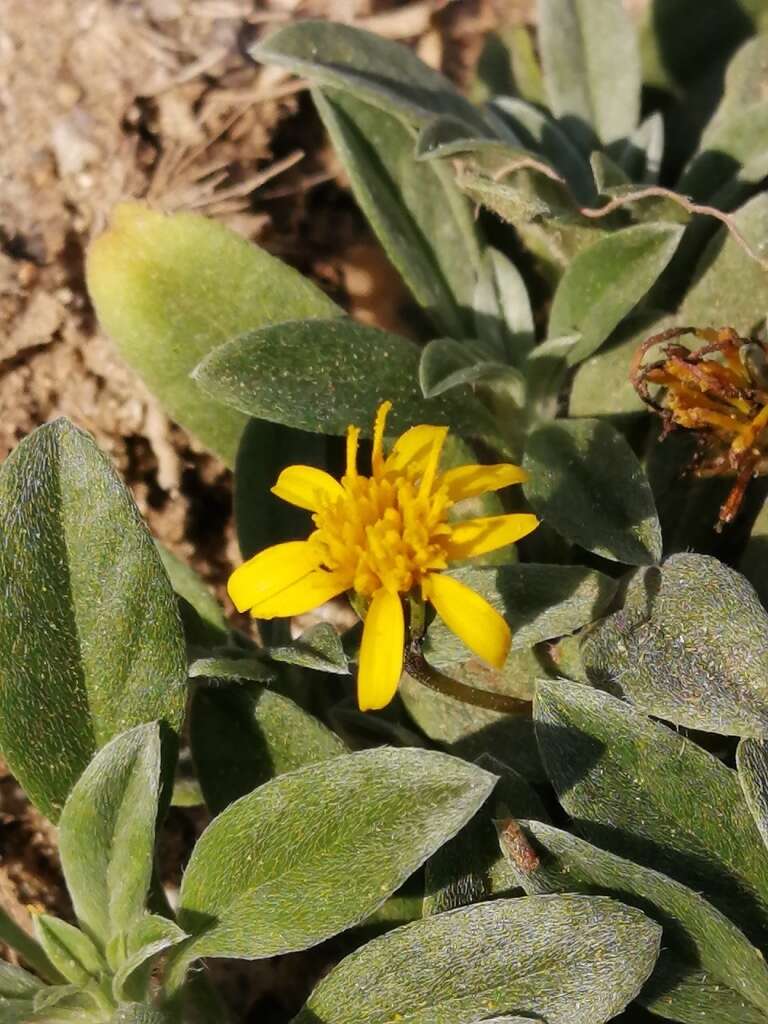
377 455
353 436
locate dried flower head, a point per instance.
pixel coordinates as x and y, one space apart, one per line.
719 390
385 537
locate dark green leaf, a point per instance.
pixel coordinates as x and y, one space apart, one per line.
604 283
168 289
242 736
640 157
591 67
90 636
570 959
204 621
690 645
140 1013
377 70
734 146
469 731
752 765
418 214
696 936
502 308
730 286
322 375
231 666
545 371
318 850
648 794
319 648
447 364
107 832
585 482
470 868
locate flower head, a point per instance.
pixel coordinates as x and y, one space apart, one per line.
384 537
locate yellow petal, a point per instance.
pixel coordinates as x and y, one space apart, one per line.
307 487
270 572
377 451
413 447
303 595
477 536
469 481
470 617
380 663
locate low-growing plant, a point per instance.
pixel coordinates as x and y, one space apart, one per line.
517 825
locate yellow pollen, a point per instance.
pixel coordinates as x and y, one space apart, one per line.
383 532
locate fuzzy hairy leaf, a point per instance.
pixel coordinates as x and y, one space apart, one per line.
690 645
502 309
752 766
148 937
570 959
730 287
72 952
168 289
346 368
242 736
418 214
646 793
605 282
377 70
586 483
204 621
107 832
90 636
591 67
696 935
318 850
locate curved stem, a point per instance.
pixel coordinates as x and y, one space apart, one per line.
418 668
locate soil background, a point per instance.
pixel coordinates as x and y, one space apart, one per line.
102 100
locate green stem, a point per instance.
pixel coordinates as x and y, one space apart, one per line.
418 668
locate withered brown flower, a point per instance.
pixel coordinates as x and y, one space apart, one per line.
719 390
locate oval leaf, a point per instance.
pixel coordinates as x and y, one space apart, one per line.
696 936
604 283
168 289
322 375
648 794
318 850
242 736
569 959
586 483
107 833
90 636
668 651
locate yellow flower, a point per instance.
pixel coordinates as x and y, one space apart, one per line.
384 536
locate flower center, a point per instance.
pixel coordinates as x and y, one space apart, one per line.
384 532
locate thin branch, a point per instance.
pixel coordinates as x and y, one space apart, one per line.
418 668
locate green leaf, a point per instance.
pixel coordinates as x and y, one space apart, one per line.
545 371
322 375
231 667
19 939
90 636
242 736
733 148
752 765
540 602
605 282
140 1013
61 1004
265 450
468 731
502 309
70 950
690 645
591 66
423 222
696 936
730 287
319 648
650 795
569 959
16 983
640 157
538 131
586 483
318 850
148 937
168 289
470 868
204 621
447 364
377 70
107 832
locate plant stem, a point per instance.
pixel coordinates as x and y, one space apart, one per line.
418 668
